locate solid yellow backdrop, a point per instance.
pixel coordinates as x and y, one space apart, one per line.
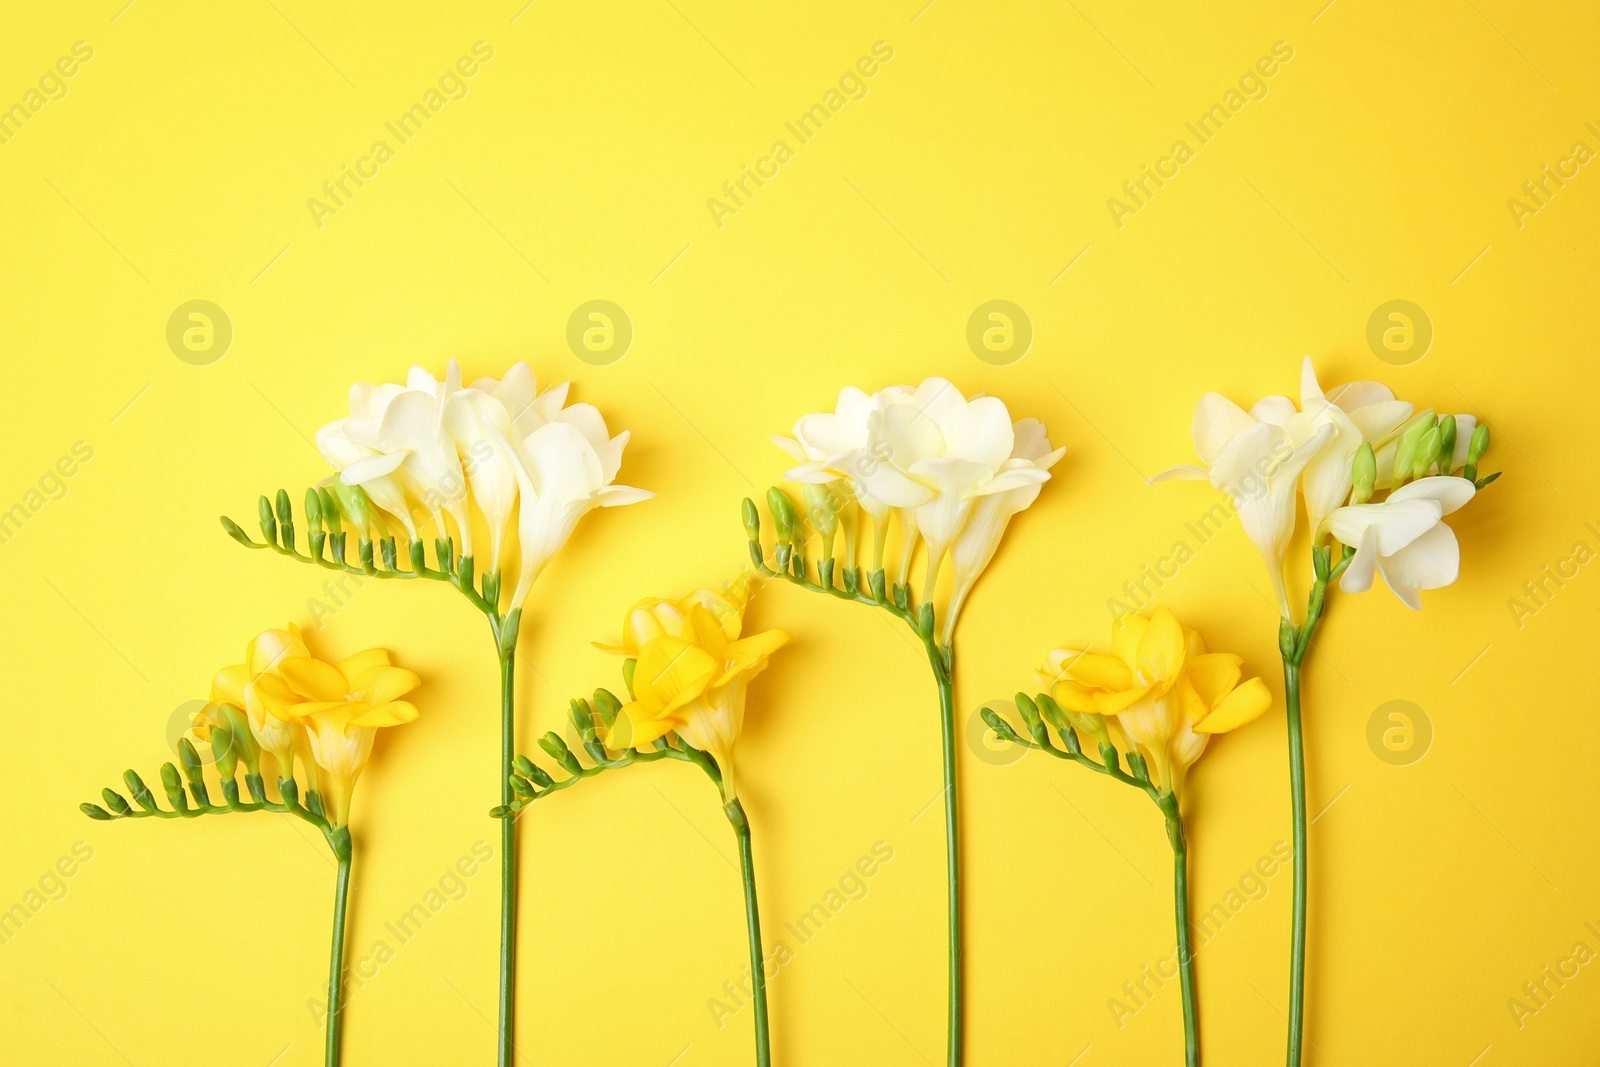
1357 154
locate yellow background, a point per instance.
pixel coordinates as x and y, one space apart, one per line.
978 166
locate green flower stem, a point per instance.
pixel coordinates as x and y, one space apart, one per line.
1293 643
340 839
506 641
791 565
1180 892
946 682
758 971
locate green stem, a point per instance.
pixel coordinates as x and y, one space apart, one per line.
752 915
1180 878
945 678
508 853
1297 788
340 840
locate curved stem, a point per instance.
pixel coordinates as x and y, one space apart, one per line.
508 854
1180 879
1297 788
945 677
752 915
340 839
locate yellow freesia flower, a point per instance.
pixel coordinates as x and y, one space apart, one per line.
1162 688
340 708
691 674
232 685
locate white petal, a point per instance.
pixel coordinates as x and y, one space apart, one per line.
905 435
1353 395
938 399
1378 422
1181 471
1310 389
826 434
1358 576
1432 561
1278 410
1450 492
615 496
981 432
1217 420
791 446
369 468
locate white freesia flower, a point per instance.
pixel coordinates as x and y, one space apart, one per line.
832 448
1404 538
526 454
937 452
1256 457
978 541
1360 412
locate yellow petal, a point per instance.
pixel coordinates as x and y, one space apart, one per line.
1195 707
312 678
1100 672
702 628
1213 675
1161 649
362 662
670 673
392 713
1073 697
750 653
383 684
1126 633
1245 704
228 686
635 726
1112 703
268 647
272 694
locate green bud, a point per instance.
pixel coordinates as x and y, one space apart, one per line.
1030 716
607 705
521 786
329 509
189 759
752 519
998 724
173 786
115 802
582 718
94 811
223 754
269 525
783 514
139 791
1363 475
236 533
285 509
353 503
822 508
523 766
1405 456
243 742
1479 443
1427 452
313 510
557 750
1447 443
537 776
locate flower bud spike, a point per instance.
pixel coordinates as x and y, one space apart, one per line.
1363 474
269 524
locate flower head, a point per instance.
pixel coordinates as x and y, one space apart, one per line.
692 671
235 685
433 446
1161 687
340 708
1404 538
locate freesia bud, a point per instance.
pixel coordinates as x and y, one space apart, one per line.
313 511
1030 716
223 753
269 524
94 811
1405 456
138 790
329 509
115 802
752 520
1479 443
1363 474
173 786
607 705
557 750
1427 453
822 507
521 786
1447 443
353 502
783 515
243 742
236 533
